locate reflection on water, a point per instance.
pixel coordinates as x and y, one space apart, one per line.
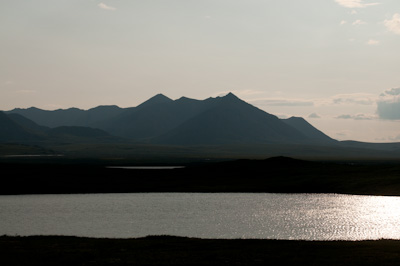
219 215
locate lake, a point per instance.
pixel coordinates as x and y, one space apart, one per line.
205 215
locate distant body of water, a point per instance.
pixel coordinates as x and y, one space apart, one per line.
205 215
147 167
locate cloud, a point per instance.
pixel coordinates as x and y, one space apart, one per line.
351 99
106 7
314 115
355 3
359 22
388 106
355 98
355 117
393 25
282 102
344 117
343 22
373 42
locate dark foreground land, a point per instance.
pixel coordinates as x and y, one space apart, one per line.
273 175
166 250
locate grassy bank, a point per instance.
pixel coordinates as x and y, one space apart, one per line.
166 250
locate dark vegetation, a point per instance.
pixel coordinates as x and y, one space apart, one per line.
274 175
165 250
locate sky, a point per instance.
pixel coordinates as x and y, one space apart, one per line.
335 63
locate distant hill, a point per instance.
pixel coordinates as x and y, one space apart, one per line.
27 123
11 131
16 128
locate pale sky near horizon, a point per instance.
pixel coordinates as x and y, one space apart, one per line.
334 62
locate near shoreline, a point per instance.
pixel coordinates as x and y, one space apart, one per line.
170 250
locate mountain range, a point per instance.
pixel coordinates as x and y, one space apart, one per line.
225 120
160 120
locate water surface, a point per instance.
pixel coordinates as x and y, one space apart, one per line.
205 215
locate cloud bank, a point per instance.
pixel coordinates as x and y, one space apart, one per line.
354 98
355 3
395 91
282 102
355 117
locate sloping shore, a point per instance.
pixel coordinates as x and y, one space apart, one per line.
169 250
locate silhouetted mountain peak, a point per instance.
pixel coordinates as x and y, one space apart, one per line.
157 99
229 96
183 98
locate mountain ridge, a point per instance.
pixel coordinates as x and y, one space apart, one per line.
222 120
179 130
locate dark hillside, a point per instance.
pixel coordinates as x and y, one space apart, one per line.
10 131
27 123
308 130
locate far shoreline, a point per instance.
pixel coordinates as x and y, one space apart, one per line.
272 175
